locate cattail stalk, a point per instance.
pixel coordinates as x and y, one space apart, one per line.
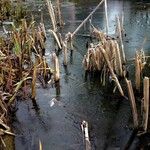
34 82
56 68
133 104
137 72
146 103
111 71
65 52
106 17
84 127
59 13
121 40
87 18
52 14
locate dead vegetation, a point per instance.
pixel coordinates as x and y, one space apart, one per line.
22 62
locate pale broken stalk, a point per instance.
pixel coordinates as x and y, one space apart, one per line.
52 14
121 40
111 71
133 103
146 103
56 68
84 127
137 72
106 17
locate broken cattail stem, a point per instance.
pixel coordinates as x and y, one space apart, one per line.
34 82
146 103
52 14
121 40
137 72
59 13
133 104
56 68
87 18
40 145
84 127
118 58
65 52
106 16
111 71
58 41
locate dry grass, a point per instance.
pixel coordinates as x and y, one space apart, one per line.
22 61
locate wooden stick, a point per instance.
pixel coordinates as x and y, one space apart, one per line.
87 18
106 16
84 127
133 104
146 103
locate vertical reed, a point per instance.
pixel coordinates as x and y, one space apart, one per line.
33 88
146 103
59 13
121 40
137 72
56 68
106 17
52 14
111 71
133 103
65 52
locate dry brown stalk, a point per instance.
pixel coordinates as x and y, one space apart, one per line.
111 70
137 72
87 18
65 52
59 13
56 68
133 103
106 16
52 14
121 40
139 65
146 103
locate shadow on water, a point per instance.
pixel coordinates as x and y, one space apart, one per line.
108 115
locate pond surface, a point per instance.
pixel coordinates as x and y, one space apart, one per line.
109 116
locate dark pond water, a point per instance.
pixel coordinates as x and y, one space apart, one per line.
109 116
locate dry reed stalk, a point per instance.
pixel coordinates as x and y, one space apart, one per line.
118 60
121 40
133 103
59 13
40 145
65 53
146 103
84 127
87 18
52 14
106 17
56 68
111 70
56 38
137 71
33 87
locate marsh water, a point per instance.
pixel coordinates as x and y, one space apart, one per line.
109 115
